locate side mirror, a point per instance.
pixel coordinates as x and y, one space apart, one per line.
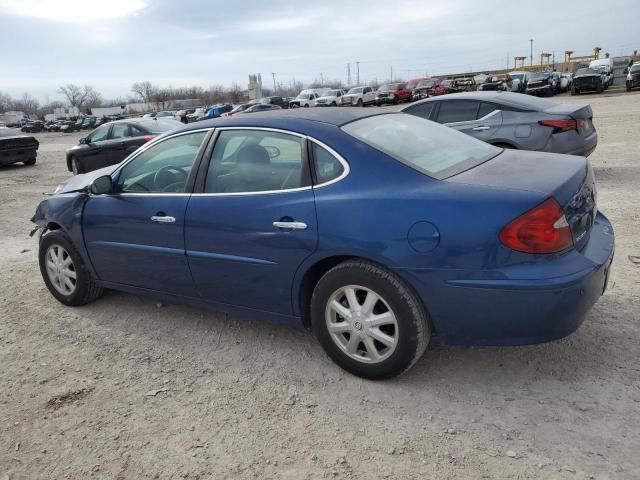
82 141
102 185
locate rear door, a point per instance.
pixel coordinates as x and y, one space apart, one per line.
475 118
252 220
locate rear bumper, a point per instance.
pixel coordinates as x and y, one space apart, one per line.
572 143
18 155
514 309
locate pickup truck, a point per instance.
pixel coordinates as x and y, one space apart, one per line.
331 98
392 93
359 97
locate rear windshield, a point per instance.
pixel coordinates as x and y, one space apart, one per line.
430 148
160 125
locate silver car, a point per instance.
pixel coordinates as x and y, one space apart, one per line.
513 120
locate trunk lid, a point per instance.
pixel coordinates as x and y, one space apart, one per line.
577 112
567 178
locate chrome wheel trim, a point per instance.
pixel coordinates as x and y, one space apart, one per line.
361 324
60 269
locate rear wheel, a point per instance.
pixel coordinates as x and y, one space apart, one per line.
628 88
64 272
600 88
368 321
359 104
31 161
574 91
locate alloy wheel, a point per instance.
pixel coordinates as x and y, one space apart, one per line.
60 269
361 324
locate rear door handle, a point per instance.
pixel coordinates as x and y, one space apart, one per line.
290 225
481 128
163 219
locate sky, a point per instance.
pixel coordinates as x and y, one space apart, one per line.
111 44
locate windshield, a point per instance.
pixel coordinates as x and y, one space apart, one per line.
539 75
390 87
635 68
587 71
519 76
426 84
331 93
412 84
355 90
303 96
430 148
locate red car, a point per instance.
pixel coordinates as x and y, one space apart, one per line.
429 87
393 93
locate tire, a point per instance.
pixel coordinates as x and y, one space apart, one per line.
31 161
333 104
76 166
407 326
628 88
600 88
84 289
574 92
359 104
306 105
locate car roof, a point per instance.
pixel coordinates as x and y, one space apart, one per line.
511 99
292 119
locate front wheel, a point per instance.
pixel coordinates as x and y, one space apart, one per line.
76 166
359 104
64 271
31 161
368 320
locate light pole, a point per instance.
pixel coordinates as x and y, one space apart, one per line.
274 82
531 53
357 73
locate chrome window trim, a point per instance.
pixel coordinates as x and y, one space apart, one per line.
152 143
345 165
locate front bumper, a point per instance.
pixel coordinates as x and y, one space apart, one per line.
538 90
519 308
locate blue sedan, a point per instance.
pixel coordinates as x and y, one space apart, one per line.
381 231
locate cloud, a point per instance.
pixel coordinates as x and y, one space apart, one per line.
71 10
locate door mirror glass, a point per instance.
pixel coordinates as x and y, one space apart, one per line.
82 141
102 185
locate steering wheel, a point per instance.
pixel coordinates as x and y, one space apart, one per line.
169 176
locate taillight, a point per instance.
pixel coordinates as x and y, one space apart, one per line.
543 229
148 138
560 125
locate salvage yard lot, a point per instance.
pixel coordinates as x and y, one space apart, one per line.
127 388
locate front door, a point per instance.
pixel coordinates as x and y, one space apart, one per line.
135 236
254 221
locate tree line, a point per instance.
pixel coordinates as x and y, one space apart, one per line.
86 97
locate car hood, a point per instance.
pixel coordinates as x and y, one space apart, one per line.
82 181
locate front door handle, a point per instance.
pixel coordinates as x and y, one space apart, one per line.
290 225
163 219
481 128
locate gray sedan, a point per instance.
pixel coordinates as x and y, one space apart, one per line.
513 120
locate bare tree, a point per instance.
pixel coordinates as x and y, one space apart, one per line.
73 94
236 94
144 90
92 97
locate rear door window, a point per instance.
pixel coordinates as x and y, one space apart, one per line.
486 109
458 111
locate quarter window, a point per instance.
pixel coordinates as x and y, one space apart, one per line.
164 167
457 111
485 109
248 161
327 167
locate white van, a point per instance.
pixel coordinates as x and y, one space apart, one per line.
605 65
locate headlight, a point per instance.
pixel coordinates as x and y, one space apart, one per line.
58 188
391 95
629 77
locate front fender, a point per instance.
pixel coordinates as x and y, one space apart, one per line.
64 212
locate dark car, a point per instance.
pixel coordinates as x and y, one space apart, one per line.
633 77
33 127
238 109
511 120
114 141
380 231
392 93
72 125
429 87
279 101
16 147
541 83
260 107
587 80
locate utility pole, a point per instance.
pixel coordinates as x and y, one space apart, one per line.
348 74
391 73
531 53
321 79
274 82
357 73
507 60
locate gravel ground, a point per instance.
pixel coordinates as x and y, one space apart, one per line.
235 398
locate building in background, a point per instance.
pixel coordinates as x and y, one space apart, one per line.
255 87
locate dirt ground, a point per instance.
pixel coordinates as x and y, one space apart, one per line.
235 398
